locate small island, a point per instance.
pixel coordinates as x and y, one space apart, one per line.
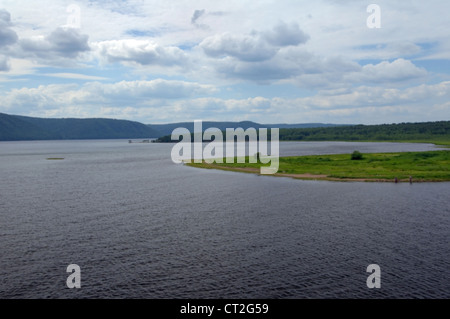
433 166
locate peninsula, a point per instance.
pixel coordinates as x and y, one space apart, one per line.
431 166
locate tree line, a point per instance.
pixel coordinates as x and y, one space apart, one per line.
427 131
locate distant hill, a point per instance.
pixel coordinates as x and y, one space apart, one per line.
167 129
437 131
306 125
426 132
14 128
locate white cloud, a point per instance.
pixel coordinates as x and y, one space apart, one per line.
7 35
141 52
42 97
254 47
93 94
153 102
337 72
4 64
369 105
19 69
281 51
284 34
156 89
388 50
398 70
76 76
378 96
60 45
242 47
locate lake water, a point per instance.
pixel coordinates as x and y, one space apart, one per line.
140 226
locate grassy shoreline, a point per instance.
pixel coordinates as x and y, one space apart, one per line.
432 166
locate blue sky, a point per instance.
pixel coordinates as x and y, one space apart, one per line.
287 61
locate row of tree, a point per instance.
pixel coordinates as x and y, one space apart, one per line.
386 132
428 131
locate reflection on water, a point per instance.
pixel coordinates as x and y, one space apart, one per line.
140 226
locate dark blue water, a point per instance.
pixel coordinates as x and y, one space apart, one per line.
140 226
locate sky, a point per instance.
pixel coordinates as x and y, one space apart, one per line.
283 61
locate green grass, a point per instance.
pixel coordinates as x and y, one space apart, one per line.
55 159
422 166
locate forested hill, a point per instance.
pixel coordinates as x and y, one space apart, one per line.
387 132
427 132
16 128
167 129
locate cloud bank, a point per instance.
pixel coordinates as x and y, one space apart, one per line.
290 61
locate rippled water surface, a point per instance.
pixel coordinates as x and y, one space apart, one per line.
140 226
